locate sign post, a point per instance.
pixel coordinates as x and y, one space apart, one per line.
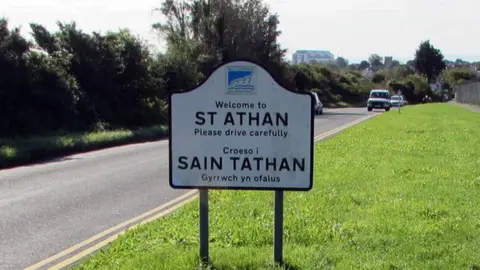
240 129
278 227
203 225
399 92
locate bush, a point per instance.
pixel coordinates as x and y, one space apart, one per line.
457 76
378 78
333 86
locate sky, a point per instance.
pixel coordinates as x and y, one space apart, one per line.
353 29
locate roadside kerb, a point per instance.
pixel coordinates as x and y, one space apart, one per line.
126 225
335 131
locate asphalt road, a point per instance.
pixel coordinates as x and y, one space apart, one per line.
49 207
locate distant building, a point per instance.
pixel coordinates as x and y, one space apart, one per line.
309 56
388 61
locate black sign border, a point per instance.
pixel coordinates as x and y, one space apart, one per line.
312 128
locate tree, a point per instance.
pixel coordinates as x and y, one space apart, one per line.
354 66
74 81
428 61
378 78
375 60
220 30
458 75
460 62
341 62
400 72
364 64
14 84
395 63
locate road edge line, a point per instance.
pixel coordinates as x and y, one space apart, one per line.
108 231
341 128
112 238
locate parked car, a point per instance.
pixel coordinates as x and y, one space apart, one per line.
318 109
397 101
379 99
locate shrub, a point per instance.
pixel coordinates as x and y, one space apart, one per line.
378 78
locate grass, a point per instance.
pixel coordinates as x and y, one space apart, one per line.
21 151
400 191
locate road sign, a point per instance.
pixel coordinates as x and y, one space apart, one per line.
240 129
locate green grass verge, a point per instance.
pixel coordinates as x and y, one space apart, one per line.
400 191
21 151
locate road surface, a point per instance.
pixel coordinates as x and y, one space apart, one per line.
50 207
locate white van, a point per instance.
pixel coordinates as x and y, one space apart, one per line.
379 99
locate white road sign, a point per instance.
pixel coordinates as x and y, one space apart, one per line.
240 129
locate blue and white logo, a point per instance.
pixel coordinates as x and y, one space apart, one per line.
240 80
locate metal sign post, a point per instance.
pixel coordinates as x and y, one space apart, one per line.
278 228
240 129
399 105
204 226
